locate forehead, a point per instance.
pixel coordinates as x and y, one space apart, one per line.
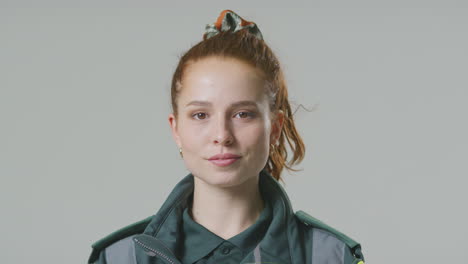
222 78
218 63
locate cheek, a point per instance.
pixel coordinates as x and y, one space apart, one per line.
257 138
257 143
191 138
254 136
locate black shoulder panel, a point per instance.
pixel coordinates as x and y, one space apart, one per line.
135 228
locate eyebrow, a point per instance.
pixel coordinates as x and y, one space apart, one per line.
236 104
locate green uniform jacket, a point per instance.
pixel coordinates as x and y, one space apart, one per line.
290 238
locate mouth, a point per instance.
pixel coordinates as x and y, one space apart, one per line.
224 162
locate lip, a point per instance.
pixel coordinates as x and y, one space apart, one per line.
224 156
223 162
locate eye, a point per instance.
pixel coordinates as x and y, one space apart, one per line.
199 114
243 115
246 114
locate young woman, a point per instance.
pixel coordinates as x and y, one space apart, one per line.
231 119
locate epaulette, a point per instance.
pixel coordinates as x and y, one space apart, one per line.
314 222
135 228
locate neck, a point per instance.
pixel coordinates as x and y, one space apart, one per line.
226 211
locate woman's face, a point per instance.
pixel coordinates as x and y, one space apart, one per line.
223 108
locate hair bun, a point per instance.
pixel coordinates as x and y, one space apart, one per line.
230 21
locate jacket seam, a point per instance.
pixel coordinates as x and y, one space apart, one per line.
286 212
172 208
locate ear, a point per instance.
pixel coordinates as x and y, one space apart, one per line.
276 127
173 124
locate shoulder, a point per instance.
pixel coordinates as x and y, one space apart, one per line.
118 240
327 241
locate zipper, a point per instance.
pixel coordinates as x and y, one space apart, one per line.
155 251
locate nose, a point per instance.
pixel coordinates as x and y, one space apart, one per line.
223 134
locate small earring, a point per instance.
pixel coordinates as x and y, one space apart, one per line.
180 152
273 147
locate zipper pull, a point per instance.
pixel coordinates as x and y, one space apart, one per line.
155 248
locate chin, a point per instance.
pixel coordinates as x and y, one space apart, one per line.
222 178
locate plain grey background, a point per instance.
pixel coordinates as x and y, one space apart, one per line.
85 145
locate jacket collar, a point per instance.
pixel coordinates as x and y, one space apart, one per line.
200 241
275 246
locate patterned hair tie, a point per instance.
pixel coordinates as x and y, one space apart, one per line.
230 21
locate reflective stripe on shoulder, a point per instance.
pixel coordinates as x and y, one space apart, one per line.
326 248
121 252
